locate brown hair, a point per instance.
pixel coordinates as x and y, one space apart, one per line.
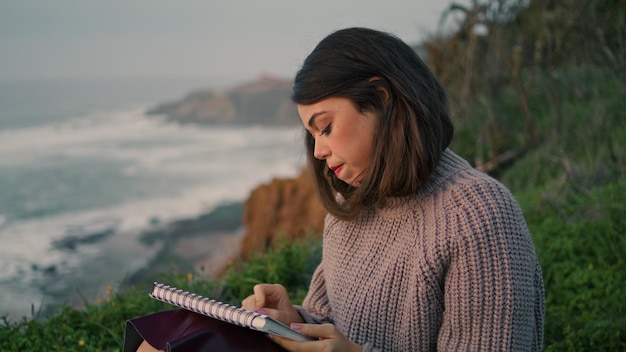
380 73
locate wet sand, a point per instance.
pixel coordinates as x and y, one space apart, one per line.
209 254
203 245
203 254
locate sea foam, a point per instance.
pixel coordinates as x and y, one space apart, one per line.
114 173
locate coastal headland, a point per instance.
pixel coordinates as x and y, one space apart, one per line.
230 232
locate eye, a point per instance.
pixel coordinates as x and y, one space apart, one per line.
325 130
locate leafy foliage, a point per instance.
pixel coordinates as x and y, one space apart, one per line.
582 250
292 266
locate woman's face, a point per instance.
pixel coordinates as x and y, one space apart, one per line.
343 136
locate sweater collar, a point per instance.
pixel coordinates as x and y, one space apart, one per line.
449 165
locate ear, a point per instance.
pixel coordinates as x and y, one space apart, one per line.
381 86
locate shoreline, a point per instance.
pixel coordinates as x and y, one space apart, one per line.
203 245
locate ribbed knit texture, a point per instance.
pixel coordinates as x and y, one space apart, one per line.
452 268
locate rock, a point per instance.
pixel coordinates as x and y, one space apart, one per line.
86 234
266 101
283 209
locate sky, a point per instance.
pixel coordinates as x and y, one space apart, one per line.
217 39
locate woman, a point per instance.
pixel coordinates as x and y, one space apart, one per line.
421 252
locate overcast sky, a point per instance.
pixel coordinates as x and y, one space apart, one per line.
187 38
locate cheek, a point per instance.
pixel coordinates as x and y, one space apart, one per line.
365 152
360 150
365 143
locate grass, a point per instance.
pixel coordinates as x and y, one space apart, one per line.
582 250
100 325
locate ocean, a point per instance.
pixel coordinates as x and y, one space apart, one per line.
81 160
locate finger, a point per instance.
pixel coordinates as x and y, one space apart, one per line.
321 331
292 345
249 303
260 294
258 299
270 295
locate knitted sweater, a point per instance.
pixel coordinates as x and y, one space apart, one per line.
451 268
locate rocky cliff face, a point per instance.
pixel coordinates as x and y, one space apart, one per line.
265 101
284 207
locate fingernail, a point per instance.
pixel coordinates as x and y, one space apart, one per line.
295 326
262 311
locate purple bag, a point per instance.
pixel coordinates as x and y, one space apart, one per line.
183 330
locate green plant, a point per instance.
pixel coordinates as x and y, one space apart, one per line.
582 250
291 265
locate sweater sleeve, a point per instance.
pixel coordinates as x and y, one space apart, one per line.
493 287
315 308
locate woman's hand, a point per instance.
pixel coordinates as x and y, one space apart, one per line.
272 300
329 339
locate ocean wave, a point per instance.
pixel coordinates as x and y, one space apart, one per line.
89 186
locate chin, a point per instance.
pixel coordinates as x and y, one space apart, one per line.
354 183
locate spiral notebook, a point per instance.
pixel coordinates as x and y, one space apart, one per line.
223 311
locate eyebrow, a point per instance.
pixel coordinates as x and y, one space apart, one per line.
313 117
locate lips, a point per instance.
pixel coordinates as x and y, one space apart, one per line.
337 169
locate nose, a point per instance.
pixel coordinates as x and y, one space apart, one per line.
321 150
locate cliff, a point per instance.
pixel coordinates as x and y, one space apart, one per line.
284 207
265 101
